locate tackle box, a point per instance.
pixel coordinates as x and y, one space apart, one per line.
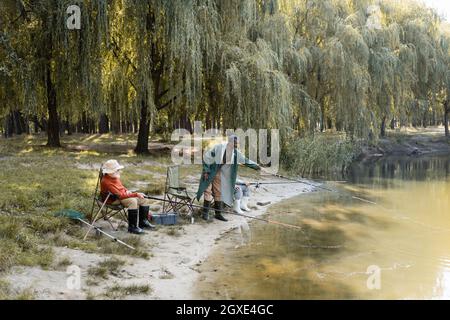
164 218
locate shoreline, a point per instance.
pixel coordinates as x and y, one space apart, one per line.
408 143
172 270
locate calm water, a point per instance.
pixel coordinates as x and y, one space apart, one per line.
406 237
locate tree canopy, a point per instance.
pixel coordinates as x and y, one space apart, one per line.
150 66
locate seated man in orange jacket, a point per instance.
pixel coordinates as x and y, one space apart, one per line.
138 208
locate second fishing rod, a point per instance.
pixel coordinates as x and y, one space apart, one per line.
288 225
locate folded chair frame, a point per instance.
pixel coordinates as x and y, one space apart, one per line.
175 196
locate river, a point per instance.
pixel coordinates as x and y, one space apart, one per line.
398 248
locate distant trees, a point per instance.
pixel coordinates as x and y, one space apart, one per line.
154 65
54 70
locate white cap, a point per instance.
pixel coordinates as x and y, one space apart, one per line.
111 166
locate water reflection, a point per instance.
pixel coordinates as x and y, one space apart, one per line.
418 169
407 235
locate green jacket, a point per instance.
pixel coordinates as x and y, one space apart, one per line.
212 162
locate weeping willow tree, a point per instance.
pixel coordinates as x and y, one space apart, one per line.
165 55
443 92
263 67
384 67
58 66
10 69
155 65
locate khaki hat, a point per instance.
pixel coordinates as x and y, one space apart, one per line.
111 166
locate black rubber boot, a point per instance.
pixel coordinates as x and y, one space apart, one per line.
133 222
143 218
205 210
218 205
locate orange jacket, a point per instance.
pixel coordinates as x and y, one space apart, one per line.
115 186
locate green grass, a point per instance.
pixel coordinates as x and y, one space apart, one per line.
90 296
6 293
110 247
4 290
105 268
20 244
38 181
117 291
64 262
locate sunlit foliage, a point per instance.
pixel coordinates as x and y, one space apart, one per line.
298 65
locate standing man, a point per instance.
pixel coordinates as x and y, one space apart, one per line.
219 175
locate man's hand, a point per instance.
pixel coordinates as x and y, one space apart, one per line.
205 176
140 195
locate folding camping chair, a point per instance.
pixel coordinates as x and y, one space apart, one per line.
106 211
176 196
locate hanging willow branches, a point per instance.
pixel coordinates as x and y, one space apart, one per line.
154 65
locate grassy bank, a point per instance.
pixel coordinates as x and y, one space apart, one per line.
332 153
38 181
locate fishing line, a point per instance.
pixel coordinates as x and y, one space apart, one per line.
324 188
283 224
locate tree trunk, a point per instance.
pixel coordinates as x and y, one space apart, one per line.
103 125
144 125
135 126
115 121
184 123
92 126
329 123
53 122
20 125
9 126
84 123
392 125
62 127
322 118
68 127
79 127
36 123
383 127
446 112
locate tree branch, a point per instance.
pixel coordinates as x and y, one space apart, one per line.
117 49
165 105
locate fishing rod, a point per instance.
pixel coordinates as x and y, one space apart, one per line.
300 181
106 234
75 215
320 187
235 213
257 184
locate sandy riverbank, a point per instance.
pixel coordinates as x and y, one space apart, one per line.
173 268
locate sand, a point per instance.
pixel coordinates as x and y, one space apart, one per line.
171 272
